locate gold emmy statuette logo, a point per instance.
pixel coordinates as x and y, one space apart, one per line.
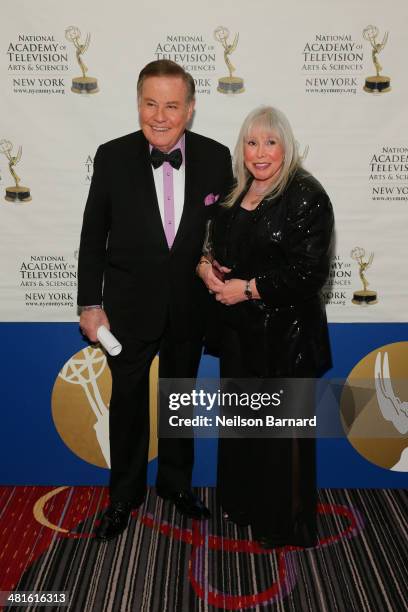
80 406
83 84
373 410
376 84
17 193
229 84
364 297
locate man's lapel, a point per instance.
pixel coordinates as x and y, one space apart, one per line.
192 175
148 206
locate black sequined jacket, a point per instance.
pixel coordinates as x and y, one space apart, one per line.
287 251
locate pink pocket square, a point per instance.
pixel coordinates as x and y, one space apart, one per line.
211 198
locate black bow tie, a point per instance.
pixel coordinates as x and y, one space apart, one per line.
157 157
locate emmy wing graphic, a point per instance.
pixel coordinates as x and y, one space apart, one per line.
84 370
392 408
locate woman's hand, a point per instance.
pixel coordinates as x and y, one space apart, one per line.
232 292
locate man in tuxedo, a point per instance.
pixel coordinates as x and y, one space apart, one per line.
142 234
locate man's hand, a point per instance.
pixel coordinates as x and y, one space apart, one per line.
90 320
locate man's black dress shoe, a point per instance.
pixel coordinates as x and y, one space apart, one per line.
114 521
186 503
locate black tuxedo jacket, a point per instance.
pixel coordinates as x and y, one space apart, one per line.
124 260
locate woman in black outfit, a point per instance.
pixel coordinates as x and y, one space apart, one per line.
266 260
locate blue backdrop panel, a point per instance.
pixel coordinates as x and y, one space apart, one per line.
32 451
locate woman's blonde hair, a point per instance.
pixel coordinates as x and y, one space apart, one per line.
269 119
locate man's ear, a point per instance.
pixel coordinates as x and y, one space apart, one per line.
191 108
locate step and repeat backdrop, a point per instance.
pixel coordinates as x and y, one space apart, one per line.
337 69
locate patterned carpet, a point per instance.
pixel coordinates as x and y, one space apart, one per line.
164 563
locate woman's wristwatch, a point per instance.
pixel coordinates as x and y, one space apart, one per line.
247 291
